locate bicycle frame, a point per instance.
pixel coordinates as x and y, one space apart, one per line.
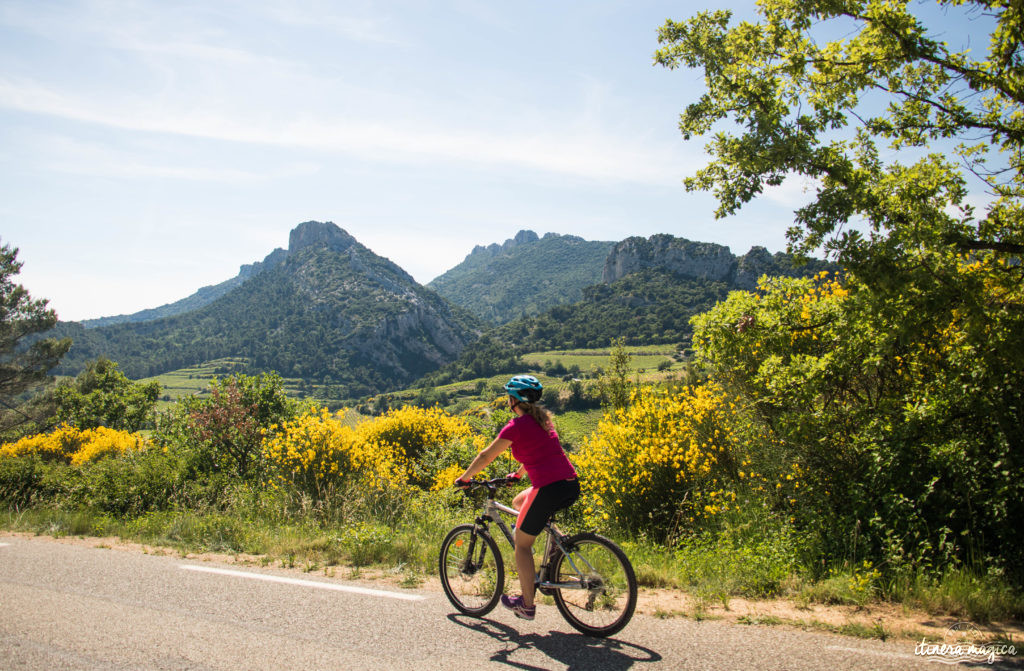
492 510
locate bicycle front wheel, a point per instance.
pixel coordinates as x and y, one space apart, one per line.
594 585
471 569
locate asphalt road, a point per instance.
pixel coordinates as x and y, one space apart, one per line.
72 606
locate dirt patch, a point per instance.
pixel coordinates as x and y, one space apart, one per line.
875 620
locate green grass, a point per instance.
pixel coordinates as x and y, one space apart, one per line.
961 592
876 630
574 426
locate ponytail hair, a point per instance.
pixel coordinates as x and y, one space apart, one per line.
539 413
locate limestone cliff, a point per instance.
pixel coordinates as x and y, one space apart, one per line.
701 260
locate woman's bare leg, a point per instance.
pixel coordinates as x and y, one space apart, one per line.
517 502
525 566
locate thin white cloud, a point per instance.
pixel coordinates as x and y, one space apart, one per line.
183 32
71 156
586 154
188 74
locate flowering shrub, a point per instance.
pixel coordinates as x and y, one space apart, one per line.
72 445
423 440
444 478
101 442
58 445
667 462
439 468
408 430
319 455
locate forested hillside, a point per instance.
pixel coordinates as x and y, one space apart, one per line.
648 307
524 276
669 281
334 312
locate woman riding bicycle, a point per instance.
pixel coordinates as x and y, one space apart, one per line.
554 485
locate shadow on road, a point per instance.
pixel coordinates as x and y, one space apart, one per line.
576 651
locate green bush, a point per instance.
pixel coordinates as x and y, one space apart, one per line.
225 431
367 543
20 480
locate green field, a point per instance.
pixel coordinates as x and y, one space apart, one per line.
195 380
642 358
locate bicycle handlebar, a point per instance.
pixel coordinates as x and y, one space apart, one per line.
491 485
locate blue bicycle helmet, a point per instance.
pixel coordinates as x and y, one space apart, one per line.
525 388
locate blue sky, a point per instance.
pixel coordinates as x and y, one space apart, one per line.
150 148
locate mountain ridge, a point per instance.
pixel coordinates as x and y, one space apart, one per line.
202 296
303 235
651 289
523 276
702 260
331 310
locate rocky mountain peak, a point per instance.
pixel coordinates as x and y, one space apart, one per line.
521 238
703 260
311 233
272 259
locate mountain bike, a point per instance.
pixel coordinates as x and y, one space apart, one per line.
589 577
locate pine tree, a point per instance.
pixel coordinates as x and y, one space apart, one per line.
24 366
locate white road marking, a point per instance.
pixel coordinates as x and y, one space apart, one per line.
304 583
3 545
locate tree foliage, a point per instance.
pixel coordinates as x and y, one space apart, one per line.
22 366
897 383
812 109
102 396
614 385
908 449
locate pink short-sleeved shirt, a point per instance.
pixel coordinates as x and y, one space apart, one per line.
539 450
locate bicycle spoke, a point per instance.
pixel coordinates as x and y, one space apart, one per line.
471 572
603 593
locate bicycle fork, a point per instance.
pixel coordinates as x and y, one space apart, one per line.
469 567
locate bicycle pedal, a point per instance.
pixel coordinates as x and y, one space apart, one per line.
549 591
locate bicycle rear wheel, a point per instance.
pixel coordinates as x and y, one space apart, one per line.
471 569
598 592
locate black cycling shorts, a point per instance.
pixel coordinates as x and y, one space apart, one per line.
542 503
